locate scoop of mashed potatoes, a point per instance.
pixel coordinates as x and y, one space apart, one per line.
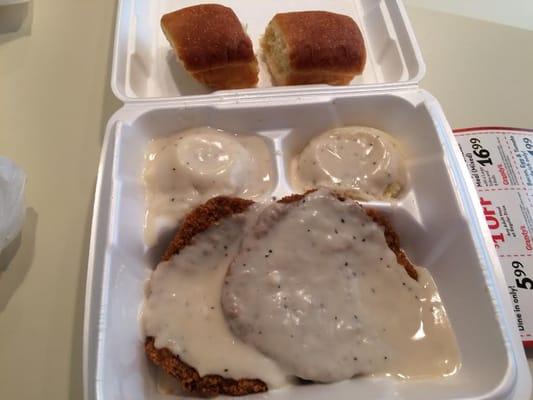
363 162
189 167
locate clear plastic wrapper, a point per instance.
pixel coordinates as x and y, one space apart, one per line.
12 207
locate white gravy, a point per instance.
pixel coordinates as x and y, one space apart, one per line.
365 162
312 291
316 288
189 167
182 310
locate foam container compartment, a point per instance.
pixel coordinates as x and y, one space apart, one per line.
437 218
145 67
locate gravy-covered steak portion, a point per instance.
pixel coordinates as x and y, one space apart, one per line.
324 290
187 335
249 296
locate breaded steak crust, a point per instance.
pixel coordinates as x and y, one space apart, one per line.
197 221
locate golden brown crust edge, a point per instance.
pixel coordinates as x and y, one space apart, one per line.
202 217
393 241
235 76
192 382
212 45
197 221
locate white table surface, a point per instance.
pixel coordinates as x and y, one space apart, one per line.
55 99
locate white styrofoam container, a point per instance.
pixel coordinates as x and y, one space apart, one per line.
438 219
145 67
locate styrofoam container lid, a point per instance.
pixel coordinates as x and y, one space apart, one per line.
145 66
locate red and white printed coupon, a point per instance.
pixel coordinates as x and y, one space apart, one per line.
500 162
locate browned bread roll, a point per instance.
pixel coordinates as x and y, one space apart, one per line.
212 45
313 47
